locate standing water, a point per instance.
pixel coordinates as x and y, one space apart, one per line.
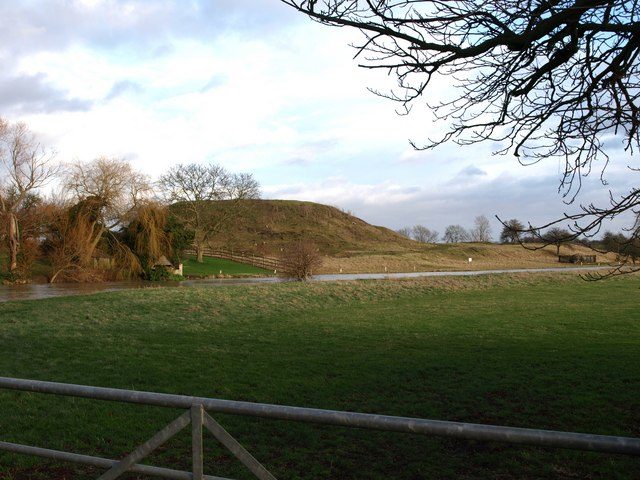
35 291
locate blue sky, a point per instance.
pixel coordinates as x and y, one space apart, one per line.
256 87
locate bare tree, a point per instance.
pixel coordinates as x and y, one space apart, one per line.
423 234
111 180
405 232
512 231
625 248
613 242
106 191
481 231
556 236
542 79
455 234
300 260
195 187
25 166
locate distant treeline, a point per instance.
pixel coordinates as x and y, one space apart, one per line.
515 232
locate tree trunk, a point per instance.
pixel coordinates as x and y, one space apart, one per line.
86 256
557 249
55 275
200 252
14 242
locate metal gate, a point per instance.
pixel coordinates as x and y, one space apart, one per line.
196 415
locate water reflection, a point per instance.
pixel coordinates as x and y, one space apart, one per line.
35 291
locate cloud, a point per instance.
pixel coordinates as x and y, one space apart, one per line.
467 175
307 152
137 24
471 171
216 81
256 87
34 93
298 161
529 199
338 190
611 144
411 155
123 87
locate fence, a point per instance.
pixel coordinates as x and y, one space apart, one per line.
268 263
197 416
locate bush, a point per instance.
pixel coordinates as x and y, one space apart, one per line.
300 260
161 274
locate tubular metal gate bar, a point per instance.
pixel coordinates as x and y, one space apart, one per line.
197 416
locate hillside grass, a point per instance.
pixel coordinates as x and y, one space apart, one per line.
267 226
455 256
219 266
270 227
536 351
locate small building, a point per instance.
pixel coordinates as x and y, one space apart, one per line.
165 263
101 260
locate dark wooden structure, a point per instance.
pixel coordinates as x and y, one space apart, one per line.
576 258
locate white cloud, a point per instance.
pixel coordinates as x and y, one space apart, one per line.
255 87
439 204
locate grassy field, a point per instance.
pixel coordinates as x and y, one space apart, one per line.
455 256
535 351
269 227
214 266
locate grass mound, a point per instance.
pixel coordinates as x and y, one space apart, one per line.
351 245
266 226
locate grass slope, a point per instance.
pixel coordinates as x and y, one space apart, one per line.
534 351
216 266
268 225
455 256
349 243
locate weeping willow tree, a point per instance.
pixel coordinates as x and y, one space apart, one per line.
143 242
84 217
69 244
75 234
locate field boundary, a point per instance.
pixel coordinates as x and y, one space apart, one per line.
268 263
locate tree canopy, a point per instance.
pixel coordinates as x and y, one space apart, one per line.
455 234
194 187
511 231
25 166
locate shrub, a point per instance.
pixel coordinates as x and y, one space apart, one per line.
300 260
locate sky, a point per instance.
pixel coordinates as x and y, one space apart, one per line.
256 87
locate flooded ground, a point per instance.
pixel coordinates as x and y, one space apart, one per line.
36 291
460 273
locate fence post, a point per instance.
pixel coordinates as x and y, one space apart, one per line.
196 441
268 263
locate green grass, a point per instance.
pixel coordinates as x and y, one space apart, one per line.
529 351
213 266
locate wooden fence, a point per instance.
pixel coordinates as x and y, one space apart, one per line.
268 263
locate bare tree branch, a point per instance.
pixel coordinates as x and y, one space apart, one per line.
25 166
194 188
543 78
